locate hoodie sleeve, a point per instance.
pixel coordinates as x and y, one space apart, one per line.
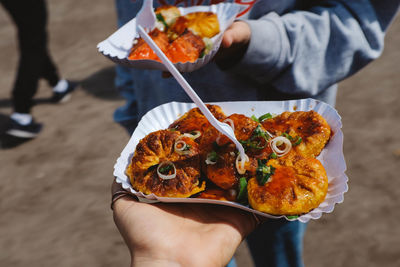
306 51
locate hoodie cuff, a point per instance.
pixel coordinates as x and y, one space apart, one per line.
265 52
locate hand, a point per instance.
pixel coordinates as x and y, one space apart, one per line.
166 234
234 44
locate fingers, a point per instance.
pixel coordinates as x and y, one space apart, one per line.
120 198
238 33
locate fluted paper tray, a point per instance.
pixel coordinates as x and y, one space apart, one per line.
118 45
331 157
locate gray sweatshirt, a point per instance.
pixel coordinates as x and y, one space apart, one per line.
298 49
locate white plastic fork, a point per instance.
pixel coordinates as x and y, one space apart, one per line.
146 19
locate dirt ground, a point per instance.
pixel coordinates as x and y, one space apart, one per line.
54 190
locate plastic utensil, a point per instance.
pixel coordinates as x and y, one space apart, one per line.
146 19
146 16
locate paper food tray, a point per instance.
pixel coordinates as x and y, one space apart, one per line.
331 157
118 45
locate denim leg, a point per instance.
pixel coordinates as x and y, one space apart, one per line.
127 114
278 243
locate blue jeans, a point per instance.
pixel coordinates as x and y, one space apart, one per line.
127 114
278 243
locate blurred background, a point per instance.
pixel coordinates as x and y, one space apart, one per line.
55 189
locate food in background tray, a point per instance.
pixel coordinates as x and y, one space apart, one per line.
182 38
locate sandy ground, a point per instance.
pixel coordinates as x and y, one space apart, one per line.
54 190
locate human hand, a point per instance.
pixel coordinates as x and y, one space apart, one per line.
182 234
233 45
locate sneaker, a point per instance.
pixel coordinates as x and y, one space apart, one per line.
30 130
64 96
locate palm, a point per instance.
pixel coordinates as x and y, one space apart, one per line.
188 234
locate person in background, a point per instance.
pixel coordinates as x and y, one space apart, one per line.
126 115
277 50
30 18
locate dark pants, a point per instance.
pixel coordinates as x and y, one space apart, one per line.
278 243
30 17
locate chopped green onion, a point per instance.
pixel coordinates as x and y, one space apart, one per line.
288 136
264 117
160 18
212 156
165 169
273 155
291 217
254 118
202 53
298 141
263 172
242 196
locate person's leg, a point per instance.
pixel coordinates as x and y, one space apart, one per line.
278 243
30 18
127 114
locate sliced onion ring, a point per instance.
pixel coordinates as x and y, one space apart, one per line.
231 123
240 162
208 161
282 140
164 176
193 136
183 149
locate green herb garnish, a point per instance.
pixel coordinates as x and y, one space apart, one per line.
288 136
291 217
242 196
254 118
212 156
298 141
264 117
273 155
264 172
202 53
166 169
161 19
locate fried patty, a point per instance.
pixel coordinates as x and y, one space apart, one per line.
194 120
309 125
156 148
292 190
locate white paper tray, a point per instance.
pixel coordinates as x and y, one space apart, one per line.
331 157
117 46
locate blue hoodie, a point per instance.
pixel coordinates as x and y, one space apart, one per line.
298 49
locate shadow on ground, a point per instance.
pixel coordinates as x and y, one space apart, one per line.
101 84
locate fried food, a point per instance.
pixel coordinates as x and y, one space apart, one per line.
186 48
309 125
158 148
181 38
222 170
218 194
203 24
141 50
167 14
292 182
291 190
194 120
